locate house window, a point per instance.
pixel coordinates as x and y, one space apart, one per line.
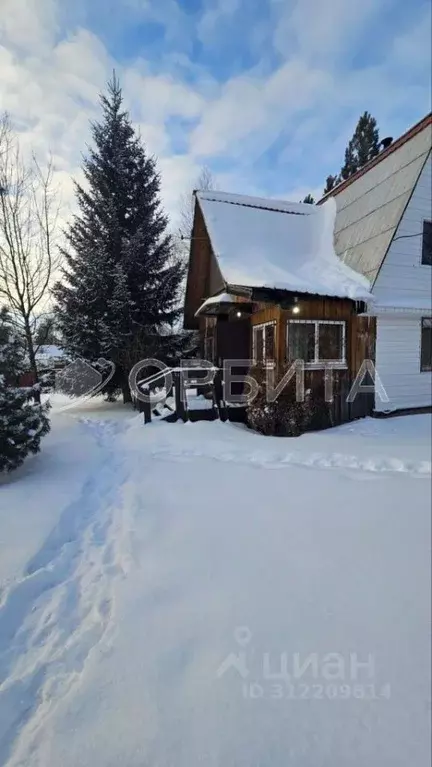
263 343
426 344
427 243
316 342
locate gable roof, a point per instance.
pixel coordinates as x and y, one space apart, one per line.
277 244
371 203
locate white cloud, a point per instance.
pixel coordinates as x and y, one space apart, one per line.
413 48
215 14
51 78
159 96
315 28
28 24
51 91
253 106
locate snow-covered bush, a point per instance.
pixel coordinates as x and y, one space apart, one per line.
285 417
22 425
23 422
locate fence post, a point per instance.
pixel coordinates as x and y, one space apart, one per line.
147 412
218 395
181 410
146 407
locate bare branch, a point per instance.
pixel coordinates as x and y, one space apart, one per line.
29 212
204 182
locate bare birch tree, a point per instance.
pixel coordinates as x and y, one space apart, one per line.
28 218
204 182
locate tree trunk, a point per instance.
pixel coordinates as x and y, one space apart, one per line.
32 358
127 396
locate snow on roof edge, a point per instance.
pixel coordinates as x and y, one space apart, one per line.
217 298
295 253
263 203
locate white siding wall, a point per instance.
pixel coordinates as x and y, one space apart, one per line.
404 282
398 363
402 277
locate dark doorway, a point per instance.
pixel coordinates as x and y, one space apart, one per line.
233 342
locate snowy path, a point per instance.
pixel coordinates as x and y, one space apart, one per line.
112 636
57 613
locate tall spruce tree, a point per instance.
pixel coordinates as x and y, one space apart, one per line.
122 279
23 423
363 146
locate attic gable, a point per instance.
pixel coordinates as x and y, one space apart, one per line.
370 205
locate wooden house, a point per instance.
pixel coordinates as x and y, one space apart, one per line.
265 287
335 284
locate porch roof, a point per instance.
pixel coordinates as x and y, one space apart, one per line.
278 245
219 303
214 302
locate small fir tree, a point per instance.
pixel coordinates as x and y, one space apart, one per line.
309 200
23 423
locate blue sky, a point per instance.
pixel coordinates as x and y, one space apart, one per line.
264 92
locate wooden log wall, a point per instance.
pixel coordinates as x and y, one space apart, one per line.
204 277
360 331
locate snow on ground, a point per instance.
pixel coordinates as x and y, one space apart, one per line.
156 581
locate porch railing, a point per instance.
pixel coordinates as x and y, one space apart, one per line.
176 405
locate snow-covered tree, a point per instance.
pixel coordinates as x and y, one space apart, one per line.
122 278
23 422
12 352
46 330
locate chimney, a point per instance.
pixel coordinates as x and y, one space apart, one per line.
385 143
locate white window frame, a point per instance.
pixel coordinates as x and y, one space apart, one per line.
262 326
317 362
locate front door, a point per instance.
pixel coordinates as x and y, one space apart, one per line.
233 342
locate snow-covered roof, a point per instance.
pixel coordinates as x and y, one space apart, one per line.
370 205
277 244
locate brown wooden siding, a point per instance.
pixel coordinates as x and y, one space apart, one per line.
204 277
360 331
359 337
266 313
320 309
362 342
